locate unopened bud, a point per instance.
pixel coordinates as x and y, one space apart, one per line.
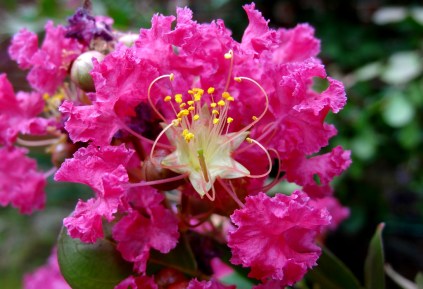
128 39
81 68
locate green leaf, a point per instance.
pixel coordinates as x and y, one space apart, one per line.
374 274
419 280
331 273
91 266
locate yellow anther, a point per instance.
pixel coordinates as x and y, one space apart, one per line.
230 98
210 90
171 77
198 90
254 117
187 135
197 96
226 95
183 112
191 108
229 120
228 55
221 103
168 98
214 111
182 105
178 98
213 104
215 121
185 132
46 96
196 117
249 140
190 91
190 102
237 79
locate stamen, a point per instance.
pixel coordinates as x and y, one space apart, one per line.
171 78
37 143
229 55
231 193
173 123
250 140
157 182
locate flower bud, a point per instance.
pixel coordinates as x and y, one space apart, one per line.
81 68
128 39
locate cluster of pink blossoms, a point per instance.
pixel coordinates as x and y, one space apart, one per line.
180 133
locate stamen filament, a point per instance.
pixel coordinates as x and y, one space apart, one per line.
231 193
157 182
170 76
37 143
268 158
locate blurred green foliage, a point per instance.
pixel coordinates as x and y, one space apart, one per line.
374 47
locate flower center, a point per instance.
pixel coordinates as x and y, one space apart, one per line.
200 133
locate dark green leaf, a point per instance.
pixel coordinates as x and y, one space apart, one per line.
331 273
374 273
91 266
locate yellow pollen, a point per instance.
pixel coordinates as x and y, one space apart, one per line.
178 98
215 121
210 90
190 102
214 111
168 98
230 98
228 55
249 140
221 103
197 96
182 105
171 77
196 117
190 91
237 79
191 108
213 104
229 120
46 96
254 117
183 112
226 95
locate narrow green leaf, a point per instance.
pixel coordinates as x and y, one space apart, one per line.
331 273
374 274
419 280
91 266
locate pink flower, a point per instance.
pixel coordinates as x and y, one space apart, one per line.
212 284
18 113
271 284
20 183
50 63
276 236
148 225
139 282
103 169
47 276
23 47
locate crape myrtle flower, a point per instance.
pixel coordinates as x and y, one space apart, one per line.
19 113
21 185
275 237
47 276
49 64
179 127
